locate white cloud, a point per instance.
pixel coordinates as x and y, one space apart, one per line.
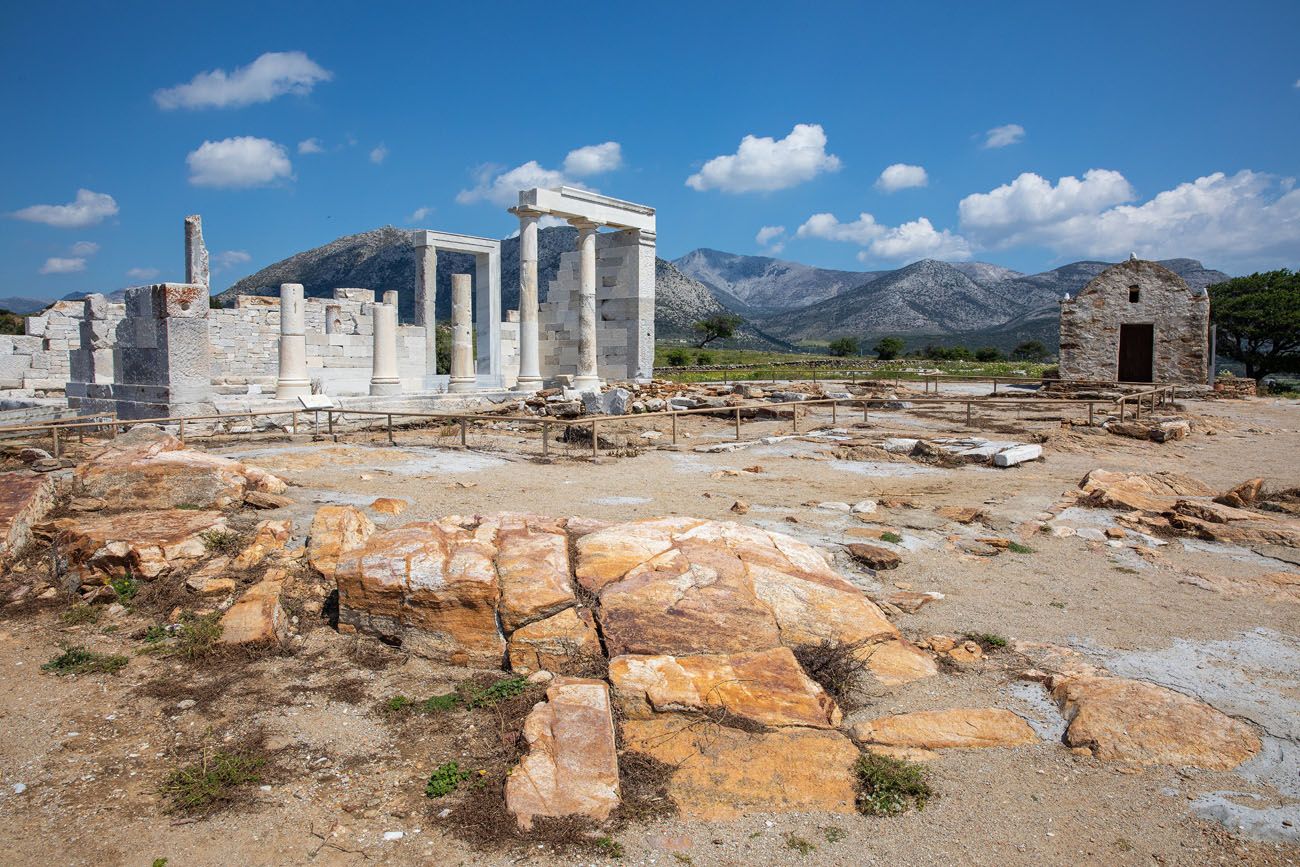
87 209
310 146
84 248
1239 220
771 237
58 265
901 176
273 74
378 154
243 161
915 240
229 259
142 273
594 159
1025 210
502 187
765 164
1001 136
863 230
419 214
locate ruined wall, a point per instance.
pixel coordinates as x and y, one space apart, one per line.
40 361
1090 324
340 342
624 310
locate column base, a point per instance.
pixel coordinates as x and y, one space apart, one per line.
587 383
379 387
528 384
461 386
290 389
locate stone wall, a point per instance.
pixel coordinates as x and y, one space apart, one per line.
624 310
40 361
1090 324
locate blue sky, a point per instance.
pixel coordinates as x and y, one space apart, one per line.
1026 134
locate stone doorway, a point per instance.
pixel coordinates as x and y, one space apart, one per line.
1137 343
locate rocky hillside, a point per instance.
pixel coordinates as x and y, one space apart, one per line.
382 259
760 283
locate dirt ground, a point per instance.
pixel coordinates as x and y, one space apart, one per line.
82 758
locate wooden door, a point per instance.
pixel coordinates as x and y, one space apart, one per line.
1137 344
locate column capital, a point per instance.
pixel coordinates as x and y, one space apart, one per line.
583 225
524 213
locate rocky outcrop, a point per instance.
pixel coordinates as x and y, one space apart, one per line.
1153 492
146 468
563 643
533 564
723 773
767 687
432 586
25 499
918 735
1122 720
571 768
146 544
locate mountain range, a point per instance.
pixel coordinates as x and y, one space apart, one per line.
781 302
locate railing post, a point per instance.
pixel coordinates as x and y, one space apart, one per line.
464 432
181 432
834 416
864 411
546 438
390 429
54 434
968 414
295 422
1137 416
795 416
329 421
1089 413
995 385
674 415
737 424
595 439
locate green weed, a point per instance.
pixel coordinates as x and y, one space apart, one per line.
888 536
78 614
1017 548
125 587
609 847
800 845
79 660
888 786
210 782
445 780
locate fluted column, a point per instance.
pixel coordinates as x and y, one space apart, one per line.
293 381
462 341
426 291
587 378
383 373
530 367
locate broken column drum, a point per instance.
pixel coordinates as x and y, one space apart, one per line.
383 377
587 378
293 381
462 344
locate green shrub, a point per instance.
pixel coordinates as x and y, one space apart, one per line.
125 587
223 542
445 780
79 660
210 782
888 786
80 614
609 847
677 358
704 358
495 693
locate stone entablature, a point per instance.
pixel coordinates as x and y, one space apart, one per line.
1136 293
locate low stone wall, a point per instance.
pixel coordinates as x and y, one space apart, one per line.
39 363
1235 387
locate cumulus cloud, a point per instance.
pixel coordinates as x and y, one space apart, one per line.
378 154
273 74
60 265
1001 136
594 159
87 209
142 273
310 146
1247 218
771 237
763 164
229 259
1021 211
243 161
901 176
84 248
917 239
419 214
501 187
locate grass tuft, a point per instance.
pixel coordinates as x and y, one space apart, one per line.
890 537
609 847
1017 548
79 660
211 782
888 786
223 542
79 614
800 845
987 640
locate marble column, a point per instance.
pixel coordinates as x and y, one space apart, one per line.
293 381
530 367
426 291
196 254
462 341
383 373
587 378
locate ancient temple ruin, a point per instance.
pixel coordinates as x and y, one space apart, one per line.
164 351
1136 322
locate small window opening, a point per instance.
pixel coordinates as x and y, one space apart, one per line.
1133 294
